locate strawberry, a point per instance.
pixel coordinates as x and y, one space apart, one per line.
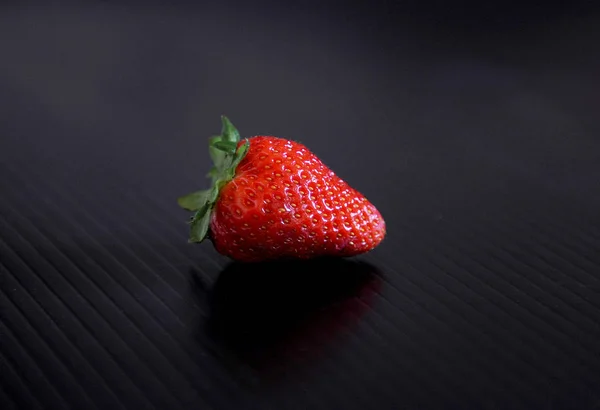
272 198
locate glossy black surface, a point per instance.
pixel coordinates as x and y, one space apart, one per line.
473 128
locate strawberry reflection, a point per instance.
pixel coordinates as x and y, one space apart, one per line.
273 315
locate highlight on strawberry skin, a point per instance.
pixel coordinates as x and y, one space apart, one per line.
271 198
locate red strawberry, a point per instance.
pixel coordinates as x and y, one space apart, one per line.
272 198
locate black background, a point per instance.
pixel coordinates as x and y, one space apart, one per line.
473 127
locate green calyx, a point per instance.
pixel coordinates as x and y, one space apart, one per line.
226 156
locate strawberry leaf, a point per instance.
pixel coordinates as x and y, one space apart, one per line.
225 146
199 225
213 173
195 200
240 153
213 195
217 155
229 132
226 156
239 156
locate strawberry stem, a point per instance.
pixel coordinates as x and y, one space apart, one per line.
226 155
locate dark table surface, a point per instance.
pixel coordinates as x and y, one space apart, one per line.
474 128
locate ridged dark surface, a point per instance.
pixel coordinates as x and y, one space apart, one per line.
478 143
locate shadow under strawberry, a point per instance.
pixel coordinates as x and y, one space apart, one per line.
276 314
